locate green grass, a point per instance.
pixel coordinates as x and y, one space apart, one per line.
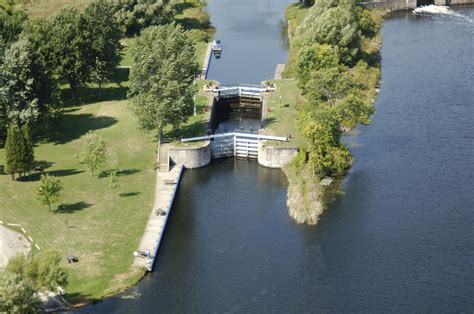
281 118
99 224
50 7
295 14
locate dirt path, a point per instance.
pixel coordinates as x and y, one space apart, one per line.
11 244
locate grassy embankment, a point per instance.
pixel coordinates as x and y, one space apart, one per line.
307 199
99 224
281 118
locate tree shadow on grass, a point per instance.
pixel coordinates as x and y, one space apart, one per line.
72 126
57 173
71 208
269 121
90 95
41 165
189 130
79 299
112 90
128 194
189 23
180 7
119 173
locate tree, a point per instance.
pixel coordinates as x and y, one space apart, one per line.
42 270
161 79
329 84
49 189
70 48
334 23
325 153
102 34
95 152
14 151
312 58
135 15
19 151
39 34
18 101
17 295
29 153
11 25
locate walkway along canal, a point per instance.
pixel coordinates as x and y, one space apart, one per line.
401 237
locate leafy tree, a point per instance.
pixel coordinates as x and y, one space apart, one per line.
135 15
17 295
14 151
95 152
330 84
102 34
39 34
312 58
161 79
352 110
369 21
70 48
42 270
332 25
325 154
18 101
11 25
49 189
19 151
29 153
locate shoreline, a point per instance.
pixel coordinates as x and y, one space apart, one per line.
307 198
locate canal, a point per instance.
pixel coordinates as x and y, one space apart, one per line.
400 238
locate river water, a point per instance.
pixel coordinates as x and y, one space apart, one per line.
400 238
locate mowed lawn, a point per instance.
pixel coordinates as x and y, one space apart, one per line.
282 105
99 224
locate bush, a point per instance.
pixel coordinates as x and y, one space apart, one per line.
198 35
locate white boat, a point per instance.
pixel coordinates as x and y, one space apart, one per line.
216 46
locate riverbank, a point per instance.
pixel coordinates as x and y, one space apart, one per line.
308 194
99 222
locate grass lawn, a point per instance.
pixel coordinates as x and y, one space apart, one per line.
99 224
281 118
294 14
49 7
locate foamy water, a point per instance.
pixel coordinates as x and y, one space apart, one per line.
440 10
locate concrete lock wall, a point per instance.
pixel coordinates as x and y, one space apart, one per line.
450 2
191 157
275 157
391 5
400 5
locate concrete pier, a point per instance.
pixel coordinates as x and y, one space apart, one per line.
280 68
166 187
207 61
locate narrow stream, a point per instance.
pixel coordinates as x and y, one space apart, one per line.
400 238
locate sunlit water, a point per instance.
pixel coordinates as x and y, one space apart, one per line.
400 238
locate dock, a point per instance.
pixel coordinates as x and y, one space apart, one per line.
279 72
167 183
207 61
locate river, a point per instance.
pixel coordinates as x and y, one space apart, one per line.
400 238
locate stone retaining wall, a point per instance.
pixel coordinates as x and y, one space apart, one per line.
275 157
191 157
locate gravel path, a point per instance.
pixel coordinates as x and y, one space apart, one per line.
11 244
